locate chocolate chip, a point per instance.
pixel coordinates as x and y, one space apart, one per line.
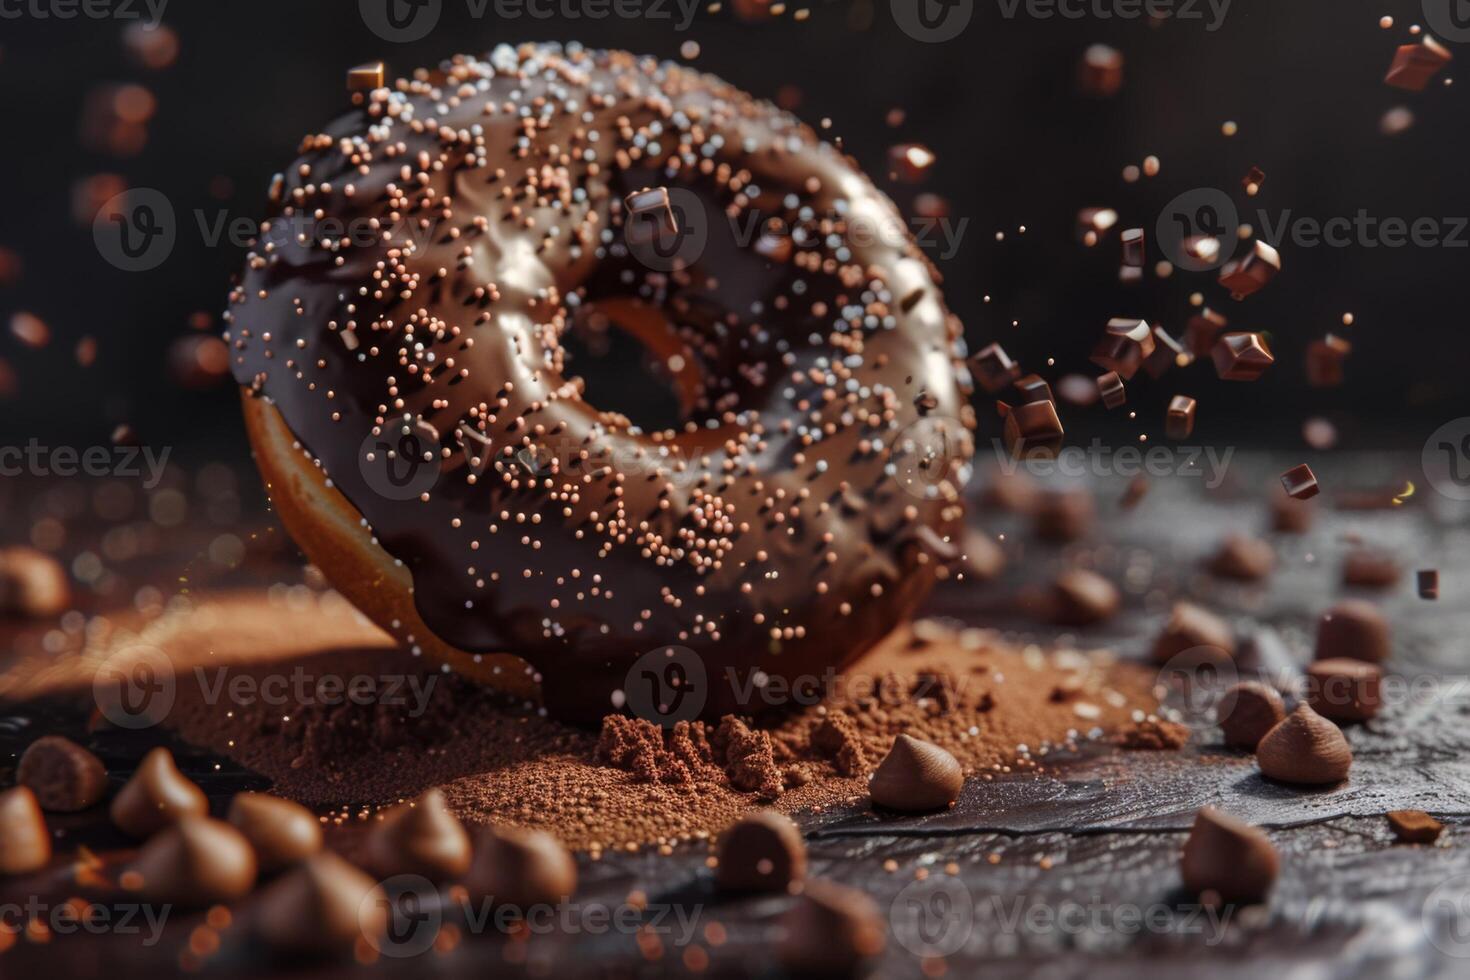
1081 598
520 868
1191 628
1343 689
829 931
421 838
1414 826
156 796
1355 629
1305 748
281 832
1064 515
64 776
195 862
25 844
33 585
1244 558
1227 860
762 852
1371 569
916 777
1247 711
324 905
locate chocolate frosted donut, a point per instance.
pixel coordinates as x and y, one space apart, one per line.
397 333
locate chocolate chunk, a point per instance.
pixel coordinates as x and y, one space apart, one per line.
1415 64
1100 74
1179 422
916 777
1033 428
762 852
1247 711
650 216
64 776
1414 826
1428 579
1244 558
25 843
1251 272
33 585
1372 569
1125 345
366 78
1305 748
1202 330
983 559
1354 629
1133 241
195 862
1168 353
993 369
1110 389
421 838
323 905
1300 482
1325 360
281 832
520 868
1241 356
1082 598
1191 628
1343 689
156 796
1064 515
1033 388
1227 861
829 931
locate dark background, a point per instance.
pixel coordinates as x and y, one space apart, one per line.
1016 144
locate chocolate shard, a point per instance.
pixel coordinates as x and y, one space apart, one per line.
1414 65
1355 629
1300 482
1125 345
831 930
1305 749
194 862
1247 711
1033 428
1110 389
762 852
323 905
1227 861
993 368
1241 356
1179 419
157 796
1344 689
282 833
1033 388
1252 272
64 776
25 843
916 777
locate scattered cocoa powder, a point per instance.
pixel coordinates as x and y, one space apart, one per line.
1154 733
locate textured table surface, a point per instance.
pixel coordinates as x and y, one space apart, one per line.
1068 874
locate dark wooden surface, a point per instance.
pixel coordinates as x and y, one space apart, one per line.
1029 875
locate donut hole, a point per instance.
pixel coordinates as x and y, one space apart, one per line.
630 362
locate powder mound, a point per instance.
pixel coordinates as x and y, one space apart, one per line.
680 757
837 737
749 759
1154 734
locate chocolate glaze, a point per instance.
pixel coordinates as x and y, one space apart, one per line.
482 209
